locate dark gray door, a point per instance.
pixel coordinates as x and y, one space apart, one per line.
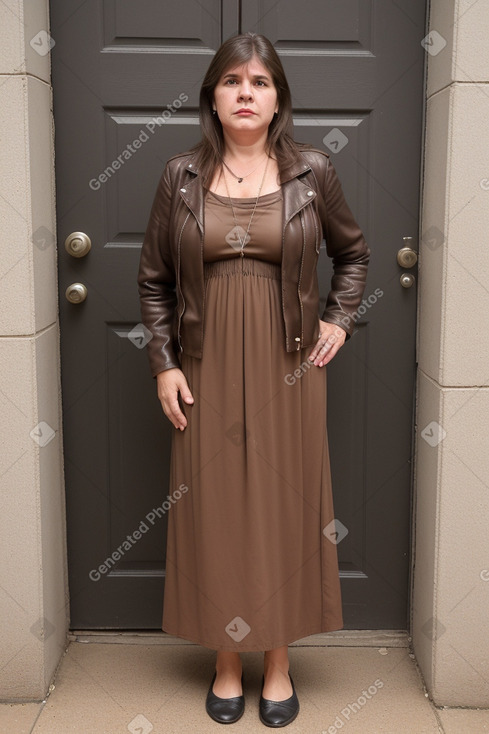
126 78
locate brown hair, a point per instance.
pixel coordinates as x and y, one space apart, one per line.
237 50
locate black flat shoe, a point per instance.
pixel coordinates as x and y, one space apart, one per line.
224 710
278 713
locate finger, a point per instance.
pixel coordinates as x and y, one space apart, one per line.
323 346
186 394
172 410
178 415
326 351
316 349
326 358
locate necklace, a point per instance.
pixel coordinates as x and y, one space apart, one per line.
237 228
240 178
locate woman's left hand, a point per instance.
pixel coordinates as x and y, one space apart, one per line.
331 339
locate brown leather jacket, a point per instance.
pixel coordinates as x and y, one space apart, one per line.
171 273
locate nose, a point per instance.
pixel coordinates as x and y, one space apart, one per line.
245 91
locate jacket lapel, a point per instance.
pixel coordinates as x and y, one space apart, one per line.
296 192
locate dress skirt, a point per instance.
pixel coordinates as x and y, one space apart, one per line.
248 566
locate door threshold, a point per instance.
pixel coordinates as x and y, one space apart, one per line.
340 638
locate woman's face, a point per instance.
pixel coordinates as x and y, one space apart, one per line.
247 87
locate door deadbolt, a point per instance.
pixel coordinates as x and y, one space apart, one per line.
407 280
78 244
76 293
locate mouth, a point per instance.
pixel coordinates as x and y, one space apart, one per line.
244 111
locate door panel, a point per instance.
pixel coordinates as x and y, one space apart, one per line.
356 73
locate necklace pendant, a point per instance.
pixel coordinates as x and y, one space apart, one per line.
239 180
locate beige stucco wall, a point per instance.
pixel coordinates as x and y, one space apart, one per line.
451 517
451 573
32 517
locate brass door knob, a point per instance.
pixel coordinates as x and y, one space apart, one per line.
76 293
406 256
78 244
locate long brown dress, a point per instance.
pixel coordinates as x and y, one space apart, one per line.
248 565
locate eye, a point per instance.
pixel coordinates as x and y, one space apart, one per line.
235 81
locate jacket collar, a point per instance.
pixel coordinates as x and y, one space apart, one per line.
296 192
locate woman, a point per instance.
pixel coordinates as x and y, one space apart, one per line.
228 289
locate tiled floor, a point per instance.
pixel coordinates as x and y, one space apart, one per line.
142 685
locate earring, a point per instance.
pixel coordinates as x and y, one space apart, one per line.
214 112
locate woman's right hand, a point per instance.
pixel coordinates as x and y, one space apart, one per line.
169 382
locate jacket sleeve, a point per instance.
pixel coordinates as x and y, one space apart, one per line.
157 283
346 246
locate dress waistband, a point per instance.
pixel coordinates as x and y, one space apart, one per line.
242 265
